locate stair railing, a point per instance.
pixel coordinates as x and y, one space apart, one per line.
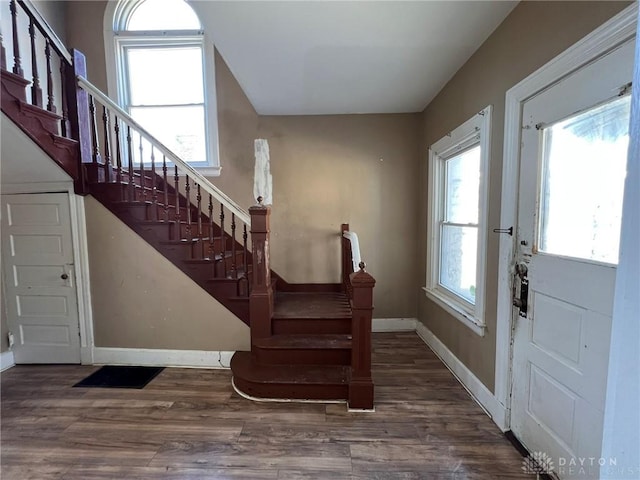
46 65
358 285
119 150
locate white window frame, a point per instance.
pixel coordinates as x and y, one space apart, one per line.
117 38
475 131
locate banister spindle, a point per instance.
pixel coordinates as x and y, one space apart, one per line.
132 186
176 178
223 248
245 257
143 181
64 123
199 210
154 189
234 268
106 124
51 106
165 187
187 194
116 128
36 91
212 253
17 64
94 131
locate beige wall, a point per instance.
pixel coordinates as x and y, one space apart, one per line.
326 170
141 300
530 36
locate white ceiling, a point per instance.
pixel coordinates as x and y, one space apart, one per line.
326 57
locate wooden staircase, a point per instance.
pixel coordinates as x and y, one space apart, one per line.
308 342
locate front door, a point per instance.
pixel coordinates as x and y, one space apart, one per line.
37 263
573 157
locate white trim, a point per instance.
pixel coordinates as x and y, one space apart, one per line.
393 324
162 358
481 394
6 360
611 34
40 187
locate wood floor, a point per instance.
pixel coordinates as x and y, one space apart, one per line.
189 424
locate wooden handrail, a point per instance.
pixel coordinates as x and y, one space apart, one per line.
46 29
206 185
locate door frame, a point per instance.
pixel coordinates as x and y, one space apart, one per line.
80 255
611 34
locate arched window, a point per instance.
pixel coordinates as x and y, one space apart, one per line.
164 76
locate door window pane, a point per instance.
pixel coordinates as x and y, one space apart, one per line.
582 187
463 187
458 260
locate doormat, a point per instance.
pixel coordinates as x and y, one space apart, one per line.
111 376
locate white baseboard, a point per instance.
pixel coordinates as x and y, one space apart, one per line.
393 324
6 360
161 358
469 381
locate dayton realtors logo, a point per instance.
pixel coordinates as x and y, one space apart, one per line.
537 463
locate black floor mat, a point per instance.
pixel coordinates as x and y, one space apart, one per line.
120 377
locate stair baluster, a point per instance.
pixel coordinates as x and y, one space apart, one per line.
187 194
142 182
36 91
94 133
199 210
245 257
17 64
132 185
106 124
154 188
176 178
234 268
165 187
223 249
212 252
64 123
50 97
116 128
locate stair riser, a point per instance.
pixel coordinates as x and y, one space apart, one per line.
295 391
303 357
294 326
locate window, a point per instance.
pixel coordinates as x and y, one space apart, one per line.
164 78
458 173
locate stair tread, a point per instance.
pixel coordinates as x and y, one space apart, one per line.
244 367
311 305
306 342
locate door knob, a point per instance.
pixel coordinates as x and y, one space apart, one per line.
64 276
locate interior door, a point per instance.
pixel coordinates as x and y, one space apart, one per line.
37 262
573 156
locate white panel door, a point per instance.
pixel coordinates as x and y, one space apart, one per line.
573 156
37 259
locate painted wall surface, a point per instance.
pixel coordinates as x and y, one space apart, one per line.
533 34
141 300
326 170
4 327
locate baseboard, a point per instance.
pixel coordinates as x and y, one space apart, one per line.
469 381
394 324
161 358
6 360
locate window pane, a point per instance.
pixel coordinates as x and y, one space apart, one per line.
181 129
583 182
165 76
163 15
458 260
463 187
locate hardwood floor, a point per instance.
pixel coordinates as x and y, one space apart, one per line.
189 424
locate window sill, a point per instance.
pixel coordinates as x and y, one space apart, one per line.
456 311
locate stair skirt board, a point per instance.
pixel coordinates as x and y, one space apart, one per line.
162 358
298 400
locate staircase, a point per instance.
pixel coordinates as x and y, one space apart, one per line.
308 341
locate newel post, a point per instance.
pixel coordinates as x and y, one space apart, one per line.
78 107
361 384
261 298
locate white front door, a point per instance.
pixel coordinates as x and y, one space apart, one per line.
573 157
37 263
